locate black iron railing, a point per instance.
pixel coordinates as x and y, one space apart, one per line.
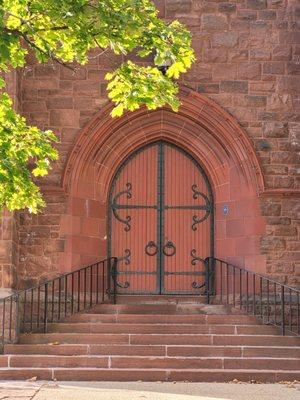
273 302
31 310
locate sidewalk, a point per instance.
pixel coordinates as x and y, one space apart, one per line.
11 390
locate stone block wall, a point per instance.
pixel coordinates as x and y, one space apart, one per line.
281 243
248 61
41 242
8 251
9 236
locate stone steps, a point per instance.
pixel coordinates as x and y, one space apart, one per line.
155 342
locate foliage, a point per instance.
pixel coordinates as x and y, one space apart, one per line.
20 146
64 31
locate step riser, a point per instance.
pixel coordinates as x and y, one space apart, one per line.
272 352
145 363
160 299
214 340
69 350
148 375
162 329
234 351
146 339
164 319
170 351
255 340
74 338
159 309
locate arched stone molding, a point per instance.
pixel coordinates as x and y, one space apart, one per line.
203 129
199 119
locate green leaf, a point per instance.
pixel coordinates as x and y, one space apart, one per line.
117 111
66 30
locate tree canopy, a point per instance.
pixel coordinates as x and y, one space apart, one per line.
65 31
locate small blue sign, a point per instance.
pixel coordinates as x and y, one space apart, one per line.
225 209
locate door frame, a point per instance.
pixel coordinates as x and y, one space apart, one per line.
160 210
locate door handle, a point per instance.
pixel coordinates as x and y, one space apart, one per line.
169 249
151 248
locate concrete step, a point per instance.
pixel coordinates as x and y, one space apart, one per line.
155 350
192 375
162 328
160 339
165 319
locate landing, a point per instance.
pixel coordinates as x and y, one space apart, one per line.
164 304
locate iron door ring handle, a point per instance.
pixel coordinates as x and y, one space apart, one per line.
149 246
169 245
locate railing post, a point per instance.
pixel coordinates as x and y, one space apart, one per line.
91 285
115 280
46 308
108 279
17 316
282 311
3 323
10 316
78 291
59 298
207 283
298 314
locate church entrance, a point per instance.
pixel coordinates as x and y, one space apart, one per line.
160 222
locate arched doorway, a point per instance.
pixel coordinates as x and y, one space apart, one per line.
207 133
160 221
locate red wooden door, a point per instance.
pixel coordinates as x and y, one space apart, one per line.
160 222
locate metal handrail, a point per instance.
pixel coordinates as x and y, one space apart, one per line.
273 302
30 310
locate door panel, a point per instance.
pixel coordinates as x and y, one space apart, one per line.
185 192
136 268
133 222
184 272
161 222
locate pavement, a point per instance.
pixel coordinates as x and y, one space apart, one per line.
14 390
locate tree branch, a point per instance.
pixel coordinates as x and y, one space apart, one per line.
48 54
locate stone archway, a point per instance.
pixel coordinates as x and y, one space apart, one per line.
207 133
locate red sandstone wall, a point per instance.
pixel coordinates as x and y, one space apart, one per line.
247 61
9 246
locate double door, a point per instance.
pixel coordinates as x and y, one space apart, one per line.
160 222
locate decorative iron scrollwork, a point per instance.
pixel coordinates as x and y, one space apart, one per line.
194 261
196 285
169 246
196 194
197 221
114 274
195 258
124 285
126 257
115 206
151 245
